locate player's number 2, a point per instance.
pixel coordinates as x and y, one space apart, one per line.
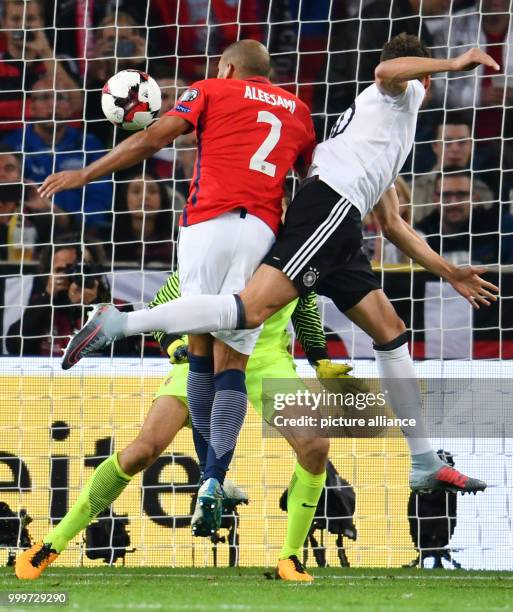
258 161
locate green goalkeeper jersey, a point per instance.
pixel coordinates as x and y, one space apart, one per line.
274 336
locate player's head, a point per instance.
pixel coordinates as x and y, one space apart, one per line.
453 193
406 45
244 59
453 144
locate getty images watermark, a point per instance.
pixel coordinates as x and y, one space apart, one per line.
317 402
456 408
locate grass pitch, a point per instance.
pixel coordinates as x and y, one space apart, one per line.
241 589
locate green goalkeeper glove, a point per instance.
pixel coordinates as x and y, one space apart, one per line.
335 377
177 352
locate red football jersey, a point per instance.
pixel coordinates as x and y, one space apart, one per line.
250 133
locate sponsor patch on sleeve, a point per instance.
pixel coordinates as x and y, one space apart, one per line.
189 95
182 109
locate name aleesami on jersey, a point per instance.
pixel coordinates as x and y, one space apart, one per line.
254 93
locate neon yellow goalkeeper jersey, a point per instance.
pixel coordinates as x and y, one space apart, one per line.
274 335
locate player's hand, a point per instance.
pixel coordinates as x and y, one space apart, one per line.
177 352
68 179
336 378
468 283
472 59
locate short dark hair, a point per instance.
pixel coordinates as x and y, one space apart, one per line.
455 117
10 193
453 171
251 57
404 45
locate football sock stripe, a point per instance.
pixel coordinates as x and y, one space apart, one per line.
200 397
105 485
228 413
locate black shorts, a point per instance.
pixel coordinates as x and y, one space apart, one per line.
320 247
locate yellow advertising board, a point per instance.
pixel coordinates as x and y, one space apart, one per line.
55 427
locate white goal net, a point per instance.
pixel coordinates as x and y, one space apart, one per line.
116 239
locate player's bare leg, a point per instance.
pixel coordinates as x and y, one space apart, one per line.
226 418
166 417
268 290
377 317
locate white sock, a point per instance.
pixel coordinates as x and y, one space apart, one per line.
194 314
404 397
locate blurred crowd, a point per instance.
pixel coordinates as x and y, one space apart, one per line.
55 56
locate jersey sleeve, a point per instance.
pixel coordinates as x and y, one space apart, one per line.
191 103
304 158
308 327
170 290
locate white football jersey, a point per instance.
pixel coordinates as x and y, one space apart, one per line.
369 144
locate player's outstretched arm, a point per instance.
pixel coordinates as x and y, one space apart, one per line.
466 281
392 75
131 151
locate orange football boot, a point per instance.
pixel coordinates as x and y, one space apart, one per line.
293 570
32 562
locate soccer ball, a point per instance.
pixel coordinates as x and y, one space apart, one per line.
131 99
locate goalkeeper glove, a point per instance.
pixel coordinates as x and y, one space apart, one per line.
336 378
177 352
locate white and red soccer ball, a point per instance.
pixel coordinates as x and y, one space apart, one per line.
131 99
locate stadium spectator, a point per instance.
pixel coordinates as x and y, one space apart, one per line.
385 252
28 57
50 144
464 231
10 166
357 38
117 36
492 92
171 90
381 21
71 282
17 234
47 218
375 246
162 164
118 45
200 29
76 19
452 147
144 222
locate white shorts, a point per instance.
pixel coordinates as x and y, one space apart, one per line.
219 256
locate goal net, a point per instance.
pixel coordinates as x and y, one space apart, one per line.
117 240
